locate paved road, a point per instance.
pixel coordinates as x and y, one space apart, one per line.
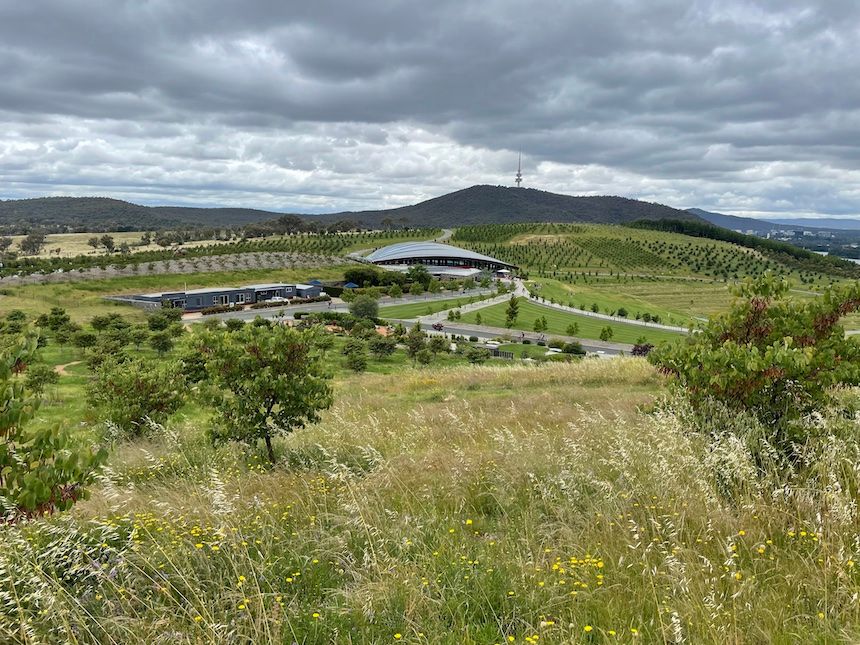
492 333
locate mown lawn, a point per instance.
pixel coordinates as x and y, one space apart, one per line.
558 321
413 310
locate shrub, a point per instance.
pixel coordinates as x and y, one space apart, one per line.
473 339
219 309
771 356
129 394
477 355
42 469
573 348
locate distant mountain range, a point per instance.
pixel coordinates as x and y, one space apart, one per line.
470 206
763 226
475 205
97 214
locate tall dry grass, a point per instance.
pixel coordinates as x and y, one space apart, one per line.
550 504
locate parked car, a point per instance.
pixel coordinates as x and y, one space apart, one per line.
438 326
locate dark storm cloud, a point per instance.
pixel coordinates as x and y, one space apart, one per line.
744 106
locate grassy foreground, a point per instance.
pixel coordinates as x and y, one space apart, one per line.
462 505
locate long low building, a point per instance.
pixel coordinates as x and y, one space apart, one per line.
195 299
440 259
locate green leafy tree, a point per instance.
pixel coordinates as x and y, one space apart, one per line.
478 319
356 358
265 382
572 329
439 345
43 469
382 346
770 355
395 291
33 243
138 335
416 289
606 334
55 319
39 376
435 286
424 356
364 307
161 319
161 341
420 274
108 242
128 393
415 340
512 312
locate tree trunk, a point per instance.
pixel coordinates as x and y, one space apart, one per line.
269 447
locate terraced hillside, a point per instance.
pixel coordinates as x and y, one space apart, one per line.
676 277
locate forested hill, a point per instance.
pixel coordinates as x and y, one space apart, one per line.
78 214
475 205
499 205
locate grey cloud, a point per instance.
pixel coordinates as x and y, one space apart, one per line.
330 105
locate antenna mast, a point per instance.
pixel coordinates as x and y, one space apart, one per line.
519 178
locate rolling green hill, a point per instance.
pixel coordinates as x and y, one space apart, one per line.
501 205
96 214
475 205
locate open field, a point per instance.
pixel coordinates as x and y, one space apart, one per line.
558 321
413 310
457 505
67 245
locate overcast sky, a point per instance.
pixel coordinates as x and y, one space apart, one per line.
748 107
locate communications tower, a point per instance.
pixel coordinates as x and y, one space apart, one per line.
519 178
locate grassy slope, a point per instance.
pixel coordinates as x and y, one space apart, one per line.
643 259
494 316
468 505
413 310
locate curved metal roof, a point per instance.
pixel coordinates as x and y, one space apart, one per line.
411 250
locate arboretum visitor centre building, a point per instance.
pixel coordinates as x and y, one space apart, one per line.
442 260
